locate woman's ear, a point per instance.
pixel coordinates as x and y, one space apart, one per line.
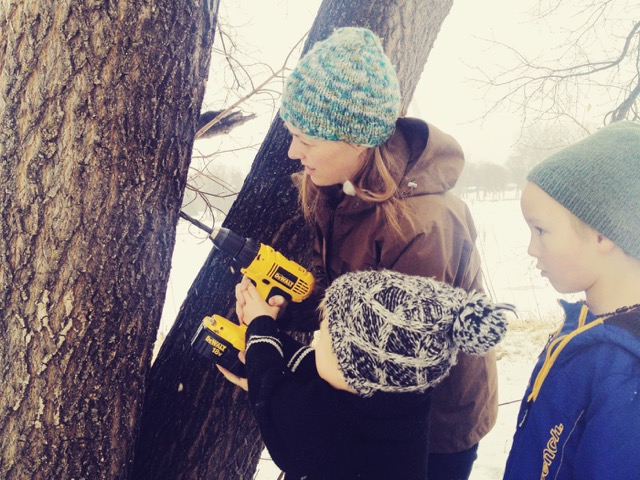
360 148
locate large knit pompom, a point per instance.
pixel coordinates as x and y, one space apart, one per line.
480 324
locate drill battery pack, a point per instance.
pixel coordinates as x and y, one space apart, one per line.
220 340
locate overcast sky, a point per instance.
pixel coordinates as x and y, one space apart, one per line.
446 95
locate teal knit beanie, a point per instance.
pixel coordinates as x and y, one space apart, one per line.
598 180
345 88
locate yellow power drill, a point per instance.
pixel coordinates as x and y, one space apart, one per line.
272 273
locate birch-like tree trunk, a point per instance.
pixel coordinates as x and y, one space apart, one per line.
98 105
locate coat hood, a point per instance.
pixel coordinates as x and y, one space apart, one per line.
427 160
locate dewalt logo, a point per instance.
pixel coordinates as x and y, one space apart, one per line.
282 279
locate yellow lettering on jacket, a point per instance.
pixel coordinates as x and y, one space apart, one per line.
550 451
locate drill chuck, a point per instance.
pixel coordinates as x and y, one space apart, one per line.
242 250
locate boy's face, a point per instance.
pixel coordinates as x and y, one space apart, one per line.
327 361
566 253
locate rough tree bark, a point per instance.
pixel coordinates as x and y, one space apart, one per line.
98 107
196 425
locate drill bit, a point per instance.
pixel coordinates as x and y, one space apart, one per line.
197 223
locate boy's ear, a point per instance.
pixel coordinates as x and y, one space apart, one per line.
604 244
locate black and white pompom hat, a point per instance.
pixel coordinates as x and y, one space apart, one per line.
400 333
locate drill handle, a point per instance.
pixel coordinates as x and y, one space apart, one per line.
267 290
274 274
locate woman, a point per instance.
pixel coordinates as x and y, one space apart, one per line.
375 188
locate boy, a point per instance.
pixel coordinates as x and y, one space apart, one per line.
359 409
580 417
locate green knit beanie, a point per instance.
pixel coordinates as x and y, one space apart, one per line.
598 180
345 88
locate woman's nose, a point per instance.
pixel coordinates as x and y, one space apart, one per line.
294 150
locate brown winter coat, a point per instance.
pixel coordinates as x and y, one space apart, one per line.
439 244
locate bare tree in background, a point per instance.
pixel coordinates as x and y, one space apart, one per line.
594 70
98 108
196 425
537 142
244 83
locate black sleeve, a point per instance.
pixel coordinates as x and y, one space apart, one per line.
270 347
291 411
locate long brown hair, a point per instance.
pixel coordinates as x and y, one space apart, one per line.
374 183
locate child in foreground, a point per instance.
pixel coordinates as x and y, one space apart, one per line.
357 406
580 417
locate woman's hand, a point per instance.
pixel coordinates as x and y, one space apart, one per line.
249 303
243 383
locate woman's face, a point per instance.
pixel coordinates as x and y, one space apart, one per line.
326 162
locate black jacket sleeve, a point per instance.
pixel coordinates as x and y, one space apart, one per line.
287 396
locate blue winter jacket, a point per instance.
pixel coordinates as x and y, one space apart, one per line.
580 417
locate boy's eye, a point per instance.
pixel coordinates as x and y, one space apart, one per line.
538 230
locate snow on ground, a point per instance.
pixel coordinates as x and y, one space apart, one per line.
510 276
516 357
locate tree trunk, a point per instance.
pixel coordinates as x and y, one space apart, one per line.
196 425
98 106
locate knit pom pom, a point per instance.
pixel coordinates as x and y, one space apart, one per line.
480 325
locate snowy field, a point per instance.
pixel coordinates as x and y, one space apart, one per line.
510 277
